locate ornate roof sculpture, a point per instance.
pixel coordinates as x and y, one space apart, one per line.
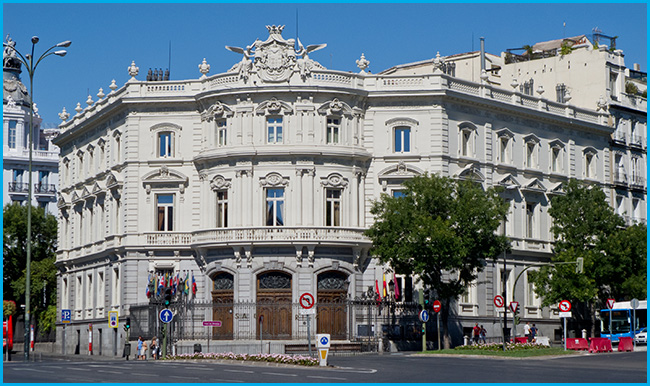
275 59
14 92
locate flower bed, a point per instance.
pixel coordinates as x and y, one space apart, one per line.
275 358
499 347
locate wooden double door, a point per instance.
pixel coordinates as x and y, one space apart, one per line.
274 306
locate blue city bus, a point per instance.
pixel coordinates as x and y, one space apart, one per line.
622 313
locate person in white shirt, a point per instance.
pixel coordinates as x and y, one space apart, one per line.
527 332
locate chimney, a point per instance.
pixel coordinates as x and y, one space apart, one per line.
637 67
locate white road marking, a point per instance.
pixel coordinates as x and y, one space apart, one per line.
282 375
109 372
317 377
239 371
183 377
355 370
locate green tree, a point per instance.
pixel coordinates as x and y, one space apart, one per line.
584 225
442 230
43 256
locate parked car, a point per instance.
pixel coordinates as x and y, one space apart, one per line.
642 336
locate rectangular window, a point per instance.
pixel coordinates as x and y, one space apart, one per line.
333 127
530 220
402 139
165 144
116 287
504 149
466 143
590 171
613 77
65 296
78 294
555 159
333 207
222 209
221 132
560 92
165 212
100 290
398 193
274 129
275 206
89 292
18 175
12 134
530 155
531 297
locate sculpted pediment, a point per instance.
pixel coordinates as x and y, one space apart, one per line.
216 110
509 180
401 170
472 172
534 185
335 107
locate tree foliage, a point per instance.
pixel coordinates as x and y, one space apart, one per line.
43 256
442 230
614 256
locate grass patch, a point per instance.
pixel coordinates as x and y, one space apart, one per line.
522 353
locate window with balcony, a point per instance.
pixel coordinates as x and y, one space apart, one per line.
222 131
274 129
11 134
402 139
333 207
18 176
333 130
275 206
166 144
222 209
165 212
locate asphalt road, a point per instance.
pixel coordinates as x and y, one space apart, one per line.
396 368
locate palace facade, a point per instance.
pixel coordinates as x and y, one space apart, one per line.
256 184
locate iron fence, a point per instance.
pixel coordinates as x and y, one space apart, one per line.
362 321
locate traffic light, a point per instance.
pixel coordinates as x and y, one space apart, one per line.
128 323
168 296
427 299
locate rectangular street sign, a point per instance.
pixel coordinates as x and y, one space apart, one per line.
66 316
213 323
310 311
113 319
565 314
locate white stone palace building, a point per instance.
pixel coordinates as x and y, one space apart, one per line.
15 144
258 181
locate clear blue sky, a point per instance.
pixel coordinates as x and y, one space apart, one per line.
107 37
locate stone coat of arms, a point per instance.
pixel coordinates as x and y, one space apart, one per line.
275 59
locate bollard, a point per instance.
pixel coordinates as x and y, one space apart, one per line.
465 340
584 334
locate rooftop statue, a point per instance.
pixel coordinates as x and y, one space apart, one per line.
9 58
275 59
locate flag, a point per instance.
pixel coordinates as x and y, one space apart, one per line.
172 283
193 285
161 284
377 287
396 287
384 284
148 291
187 284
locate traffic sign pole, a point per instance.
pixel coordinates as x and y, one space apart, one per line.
424 325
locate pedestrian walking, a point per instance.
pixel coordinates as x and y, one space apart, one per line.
527 331
140 342
533 333
483 334
476 331
154 348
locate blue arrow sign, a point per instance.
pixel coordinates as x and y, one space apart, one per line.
66 316
324 340
166 315
424 316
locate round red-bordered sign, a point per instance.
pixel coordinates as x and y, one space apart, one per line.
306 300
498 301
436 306
565 306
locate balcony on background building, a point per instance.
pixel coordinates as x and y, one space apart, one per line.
636 141
637 182
18 187
44 189
620 178
618 138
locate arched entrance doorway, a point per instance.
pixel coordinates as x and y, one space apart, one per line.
274 305
223 294
331 305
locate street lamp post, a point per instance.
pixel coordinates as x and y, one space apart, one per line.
30 66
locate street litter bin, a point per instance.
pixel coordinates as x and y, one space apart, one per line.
127 350
197 347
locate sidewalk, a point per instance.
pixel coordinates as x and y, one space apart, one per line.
37 356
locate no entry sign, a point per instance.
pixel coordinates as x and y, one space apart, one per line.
306 300
498 301
436 306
